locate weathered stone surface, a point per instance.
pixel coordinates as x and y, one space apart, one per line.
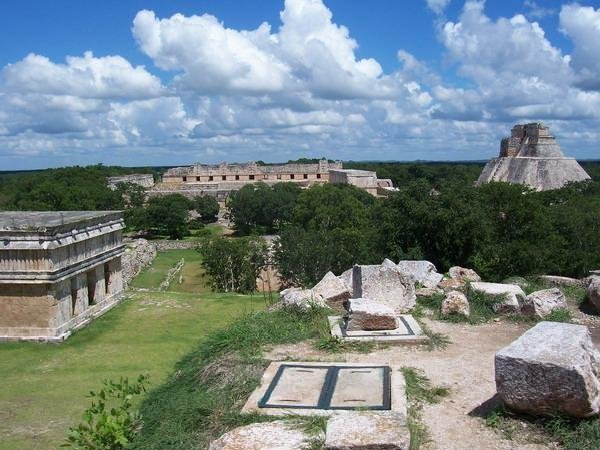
541 303
386 285
463 275
423 272
367 314
511 296
428 292
593 291
553 367
531 156
333 290
346 278
388 263
367 431
138 254
278 435
304 298
455 302
555 280
450 284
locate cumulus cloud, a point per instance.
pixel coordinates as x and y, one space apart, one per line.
582 25
438 6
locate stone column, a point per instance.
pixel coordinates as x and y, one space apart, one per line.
115 277
79 294
61 292
99 286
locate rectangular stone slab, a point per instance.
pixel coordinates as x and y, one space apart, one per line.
408 332
320 388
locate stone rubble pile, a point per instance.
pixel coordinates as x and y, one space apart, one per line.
552 368
138 255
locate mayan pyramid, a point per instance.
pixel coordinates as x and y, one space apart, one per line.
531 156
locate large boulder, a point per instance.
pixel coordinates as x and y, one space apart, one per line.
593 291
278 435
386 285
541 303
510 296
555 280
303 298
455 302
463 275
367 430
367 314
333 290
552 368
423 272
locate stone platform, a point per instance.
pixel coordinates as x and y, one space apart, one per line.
408 332
321 388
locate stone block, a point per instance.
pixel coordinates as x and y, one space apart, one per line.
463 275
365 430
423 272
555 280
386 285
333 290
366 314
303 298
593 291
552 368
455 302
510 296
277 435
541 303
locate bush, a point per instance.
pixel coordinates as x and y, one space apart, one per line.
109 423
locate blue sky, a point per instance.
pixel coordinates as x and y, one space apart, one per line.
173 82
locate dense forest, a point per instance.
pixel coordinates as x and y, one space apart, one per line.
437 214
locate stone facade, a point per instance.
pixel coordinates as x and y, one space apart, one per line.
58 270
364 179
532 156
142 179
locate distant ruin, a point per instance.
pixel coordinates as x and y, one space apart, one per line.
58 270
221 179
531 156
144 180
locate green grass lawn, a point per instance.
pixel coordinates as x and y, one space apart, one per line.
43 386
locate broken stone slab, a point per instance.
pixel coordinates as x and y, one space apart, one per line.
593 291
423 272
510 296
554 280
541 303
303 298
332 290
366 314
463 275
366 430
388 263
455 302
553 367
277 435
386 285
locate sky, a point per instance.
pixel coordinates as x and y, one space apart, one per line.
149 82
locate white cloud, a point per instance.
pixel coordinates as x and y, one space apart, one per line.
582 25
438 6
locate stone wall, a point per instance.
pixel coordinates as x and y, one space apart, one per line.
138 254
166 244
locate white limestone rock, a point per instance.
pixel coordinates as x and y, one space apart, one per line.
423 272
367 430
553 367
510 296
555 280
278 435
593 291
541 303
333 290
456 302
428 292
346 278
303 298
386 285
367 314
388 263
463 275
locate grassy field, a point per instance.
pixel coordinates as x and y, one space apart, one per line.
44 386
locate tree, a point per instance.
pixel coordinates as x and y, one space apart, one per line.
208 208
132 194
168 215
233 265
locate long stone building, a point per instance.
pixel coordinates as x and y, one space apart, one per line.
532 156
58 271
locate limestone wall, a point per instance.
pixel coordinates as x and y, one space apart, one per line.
138 254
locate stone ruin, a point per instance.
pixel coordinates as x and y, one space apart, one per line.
531 156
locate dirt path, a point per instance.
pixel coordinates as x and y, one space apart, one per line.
466 366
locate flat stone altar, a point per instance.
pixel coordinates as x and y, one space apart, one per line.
310 388
408 332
